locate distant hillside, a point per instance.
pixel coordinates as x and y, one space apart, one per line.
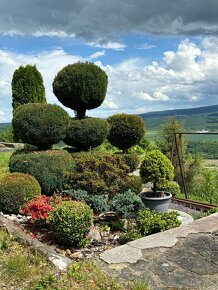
194 119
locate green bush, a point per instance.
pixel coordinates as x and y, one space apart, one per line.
41 125
81 87
172 187
87 133
70 222
124 203
130 234
156 168
99 203
15 190
149 222
126 130
132 160
48 167
27 86
99 173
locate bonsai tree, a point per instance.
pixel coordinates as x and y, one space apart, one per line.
158 169
126 130
27 86
87 133
81 87
41 125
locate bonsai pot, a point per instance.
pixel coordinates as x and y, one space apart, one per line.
158 204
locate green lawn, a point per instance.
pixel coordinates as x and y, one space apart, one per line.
4 161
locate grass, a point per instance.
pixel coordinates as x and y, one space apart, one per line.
4 161
21 269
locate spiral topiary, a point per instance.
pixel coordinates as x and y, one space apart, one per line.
15 190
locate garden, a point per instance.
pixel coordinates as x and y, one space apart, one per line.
85 196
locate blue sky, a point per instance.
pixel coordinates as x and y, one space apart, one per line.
158 54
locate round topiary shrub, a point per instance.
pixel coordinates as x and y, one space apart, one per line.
50 168
40 125
15 190
81 87
126 130
132 160
87 133
71 222
156 168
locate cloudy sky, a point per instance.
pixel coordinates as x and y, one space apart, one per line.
158 54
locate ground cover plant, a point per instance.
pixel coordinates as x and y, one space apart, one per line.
4 161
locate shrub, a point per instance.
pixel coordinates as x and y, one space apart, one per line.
132 160
40 207
126 130
48 167
40 124
156 168
70 222
15 190
172 187
149 222
124 203
81 87
99 173
87 133
27 86
99 203
130 234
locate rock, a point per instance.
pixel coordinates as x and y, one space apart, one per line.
68 252
94 234
59 251
76 255
12 218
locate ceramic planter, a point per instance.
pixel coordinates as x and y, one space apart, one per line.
158 204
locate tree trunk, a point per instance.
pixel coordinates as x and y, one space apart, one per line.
81 114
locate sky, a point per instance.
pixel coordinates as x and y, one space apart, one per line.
158 54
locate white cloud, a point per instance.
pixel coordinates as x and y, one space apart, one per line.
108 45
97 54
146 46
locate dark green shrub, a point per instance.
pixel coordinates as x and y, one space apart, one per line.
130 234
15 190
156 168
124 203
27 86
87 133
81 87
132 160
149 222
99 173
48 167
70 222
134 183
126 130
40 124
99 203
172 187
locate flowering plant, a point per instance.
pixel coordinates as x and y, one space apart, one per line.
40 207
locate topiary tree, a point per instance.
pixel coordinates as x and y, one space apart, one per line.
48 167
87 133
81 87
27 86
158 169
40 125
15 190
126 130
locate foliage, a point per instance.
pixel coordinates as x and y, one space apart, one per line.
15 190
27 86
172 187
4 161
48 167
124 203
130 234
149 222
132 160
40 207
6 135
208 148
87 133
70 222
156 168
81 87
100 173
126 130
99 203
40 124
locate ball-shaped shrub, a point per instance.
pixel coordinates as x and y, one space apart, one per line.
87 133
81 87
50 168
126 130
40 125
71 222
15 190
156 168
132 160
